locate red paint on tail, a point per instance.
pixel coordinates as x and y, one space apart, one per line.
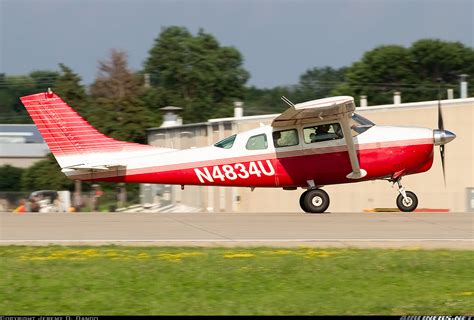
65 131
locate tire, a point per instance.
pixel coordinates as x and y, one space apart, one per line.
303 207
315 201
409 205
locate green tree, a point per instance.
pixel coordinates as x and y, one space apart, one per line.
11 88
68 87
45 175
267 101
436 59
318 83
315 83
44 79
195 73
117 97
381 72
413 71
14 87
11 178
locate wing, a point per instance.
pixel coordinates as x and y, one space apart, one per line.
311 111
322 110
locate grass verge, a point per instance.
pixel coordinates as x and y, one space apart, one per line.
114 280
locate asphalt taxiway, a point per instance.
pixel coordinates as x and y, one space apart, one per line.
376 230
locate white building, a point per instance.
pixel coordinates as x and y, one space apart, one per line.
21 145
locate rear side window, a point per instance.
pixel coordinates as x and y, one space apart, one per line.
285 138
226 143
258 142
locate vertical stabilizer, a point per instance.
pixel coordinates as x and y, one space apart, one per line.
69 137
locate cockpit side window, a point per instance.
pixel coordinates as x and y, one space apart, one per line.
258 142
226 143
285 138
323 132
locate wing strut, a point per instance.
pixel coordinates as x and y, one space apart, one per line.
357 172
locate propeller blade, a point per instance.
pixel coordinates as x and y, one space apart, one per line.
441 151
440 117
441 127
440 114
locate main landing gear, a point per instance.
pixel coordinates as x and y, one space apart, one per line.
314 201
407 201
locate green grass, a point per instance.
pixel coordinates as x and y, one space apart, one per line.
230 281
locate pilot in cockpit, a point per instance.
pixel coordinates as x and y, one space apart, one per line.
322 133
322 130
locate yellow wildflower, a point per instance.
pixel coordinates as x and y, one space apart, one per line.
176 257
239 255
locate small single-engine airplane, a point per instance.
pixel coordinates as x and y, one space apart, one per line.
310 145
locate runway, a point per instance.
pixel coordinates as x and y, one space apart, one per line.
364 230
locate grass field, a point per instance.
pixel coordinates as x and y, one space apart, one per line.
113 280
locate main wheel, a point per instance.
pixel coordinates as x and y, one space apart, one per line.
303 207
314 201
409 204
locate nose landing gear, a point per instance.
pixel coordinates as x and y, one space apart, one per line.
407 201
314 201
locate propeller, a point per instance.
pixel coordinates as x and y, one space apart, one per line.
441 127
441 136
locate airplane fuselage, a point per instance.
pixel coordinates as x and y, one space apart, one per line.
382 151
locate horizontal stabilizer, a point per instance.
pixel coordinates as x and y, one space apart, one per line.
95 168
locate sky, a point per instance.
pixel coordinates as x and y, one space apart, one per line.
278 39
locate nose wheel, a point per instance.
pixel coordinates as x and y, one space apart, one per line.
314 201
407 201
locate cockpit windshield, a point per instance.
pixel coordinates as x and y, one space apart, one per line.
226 143
360 124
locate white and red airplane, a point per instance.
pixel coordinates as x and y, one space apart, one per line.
310 145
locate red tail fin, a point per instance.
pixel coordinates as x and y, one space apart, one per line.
65 131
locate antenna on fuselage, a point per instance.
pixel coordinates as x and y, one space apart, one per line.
287 101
